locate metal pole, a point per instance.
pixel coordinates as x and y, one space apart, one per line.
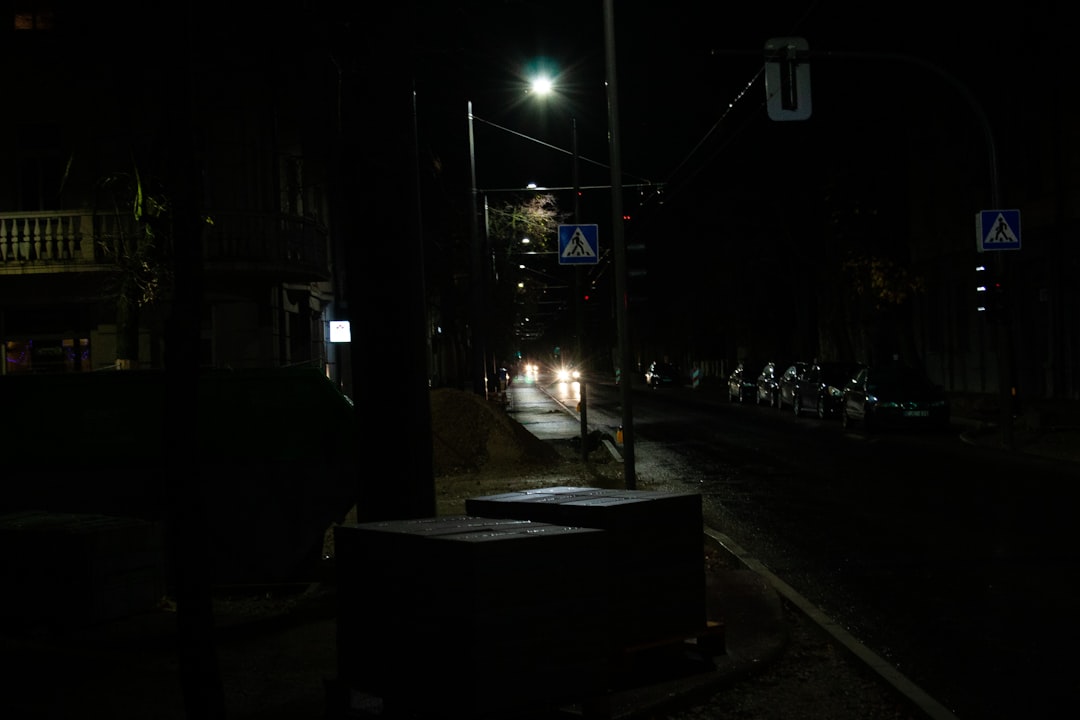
619 243
583 411
477 340
1003 329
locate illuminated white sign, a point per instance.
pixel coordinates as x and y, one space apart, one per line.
339 331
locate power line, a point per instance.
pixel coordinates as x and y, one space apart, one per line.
556 148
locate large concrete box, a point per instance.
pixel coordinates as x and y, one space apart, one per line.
656 571
461 616
65 570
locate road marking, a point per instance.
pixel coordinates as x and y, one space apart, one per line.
875 662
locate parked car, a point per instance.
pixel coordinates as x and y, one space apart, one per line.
768 384
821 389
786 388
742 383
896 396
663 374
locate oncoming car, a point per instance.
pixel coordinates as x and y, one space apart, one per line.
567 374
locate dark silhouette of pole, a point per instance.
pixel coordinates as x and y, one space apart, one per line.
380 199
622 319
186 518
476 339
416 408
583 411
1004 325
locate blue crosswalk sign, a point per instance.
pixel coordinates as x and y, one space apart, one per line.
998 230
579 245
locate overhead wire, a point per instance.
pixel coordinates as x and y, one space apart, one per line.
672 182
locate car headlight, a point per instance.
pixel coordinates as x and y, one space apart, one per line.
566 375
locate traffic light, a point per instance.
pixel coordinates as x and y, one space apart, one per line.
989 293
787 78
636 268
997 298
982 285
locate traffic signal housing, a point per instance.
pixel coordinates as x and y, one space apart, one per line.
787 78
989 293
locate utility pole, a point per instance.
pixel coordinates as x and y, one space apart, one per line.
476 341
379 197
780 50
186 515
1004 326
622 319
583 411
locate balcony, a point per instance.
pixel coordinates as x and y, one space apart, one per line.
49 242
287 248
282 248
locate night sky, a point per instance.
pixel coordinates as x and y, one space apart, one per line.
739 190
686 66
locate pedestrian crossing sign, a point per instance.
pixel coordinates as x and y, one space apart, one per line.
579 245
998 230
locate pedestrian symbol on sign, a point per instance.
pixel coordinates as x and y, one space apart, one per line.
577 247
578 244
998 230
1001 232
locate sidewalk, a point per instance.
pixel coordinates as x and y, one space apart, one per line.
543 414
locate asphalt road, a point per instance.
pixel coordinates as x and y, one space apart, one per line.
944 556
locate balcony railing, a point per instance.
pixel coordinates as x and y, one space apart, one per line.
288 246
293 248
36 241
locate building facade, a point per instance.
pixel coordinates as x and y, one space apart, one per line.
88 187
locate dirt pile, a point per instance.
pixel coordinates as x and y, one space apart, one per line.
470 434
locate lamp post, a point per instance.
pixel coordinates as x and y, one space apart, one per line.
543 86
477 295
579 304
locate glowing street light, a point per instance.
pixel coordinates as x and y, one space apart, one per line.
543 85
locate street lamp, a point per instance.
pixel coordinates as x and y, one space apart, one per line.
619 254
543 85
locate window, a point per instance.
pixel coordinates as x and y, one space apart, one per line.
34 16
46 355
292 185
